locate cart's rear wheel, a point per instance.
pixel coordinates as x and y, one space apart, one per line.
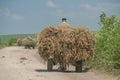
78 67
50 64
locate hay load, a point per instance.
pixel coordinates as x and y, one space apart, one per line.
19 42
65 44
29 42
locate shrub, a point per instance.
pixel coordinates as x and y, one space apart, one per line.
12 42
107 53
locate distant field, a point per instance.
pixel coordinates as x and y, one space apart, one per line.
5 38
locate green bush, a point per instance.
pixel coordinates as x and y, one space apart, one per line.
12 42
107 53
1 43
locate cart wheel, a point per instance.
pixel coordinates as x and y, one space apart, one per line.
78 67
49 64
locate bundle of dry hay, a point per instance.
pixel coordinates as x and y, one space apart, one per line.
19 42
28 42
66 44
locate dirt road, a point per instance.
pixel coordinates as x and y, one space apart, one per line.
17 63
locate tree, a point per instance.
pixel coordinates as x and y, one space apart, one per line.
108 45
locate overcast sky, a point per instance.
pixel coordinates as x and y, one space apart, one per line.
30 16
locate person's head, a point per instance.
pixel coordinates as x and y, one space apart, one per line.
64 19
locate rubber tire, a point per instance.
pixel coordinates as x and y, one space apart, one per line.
50 65
78 67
